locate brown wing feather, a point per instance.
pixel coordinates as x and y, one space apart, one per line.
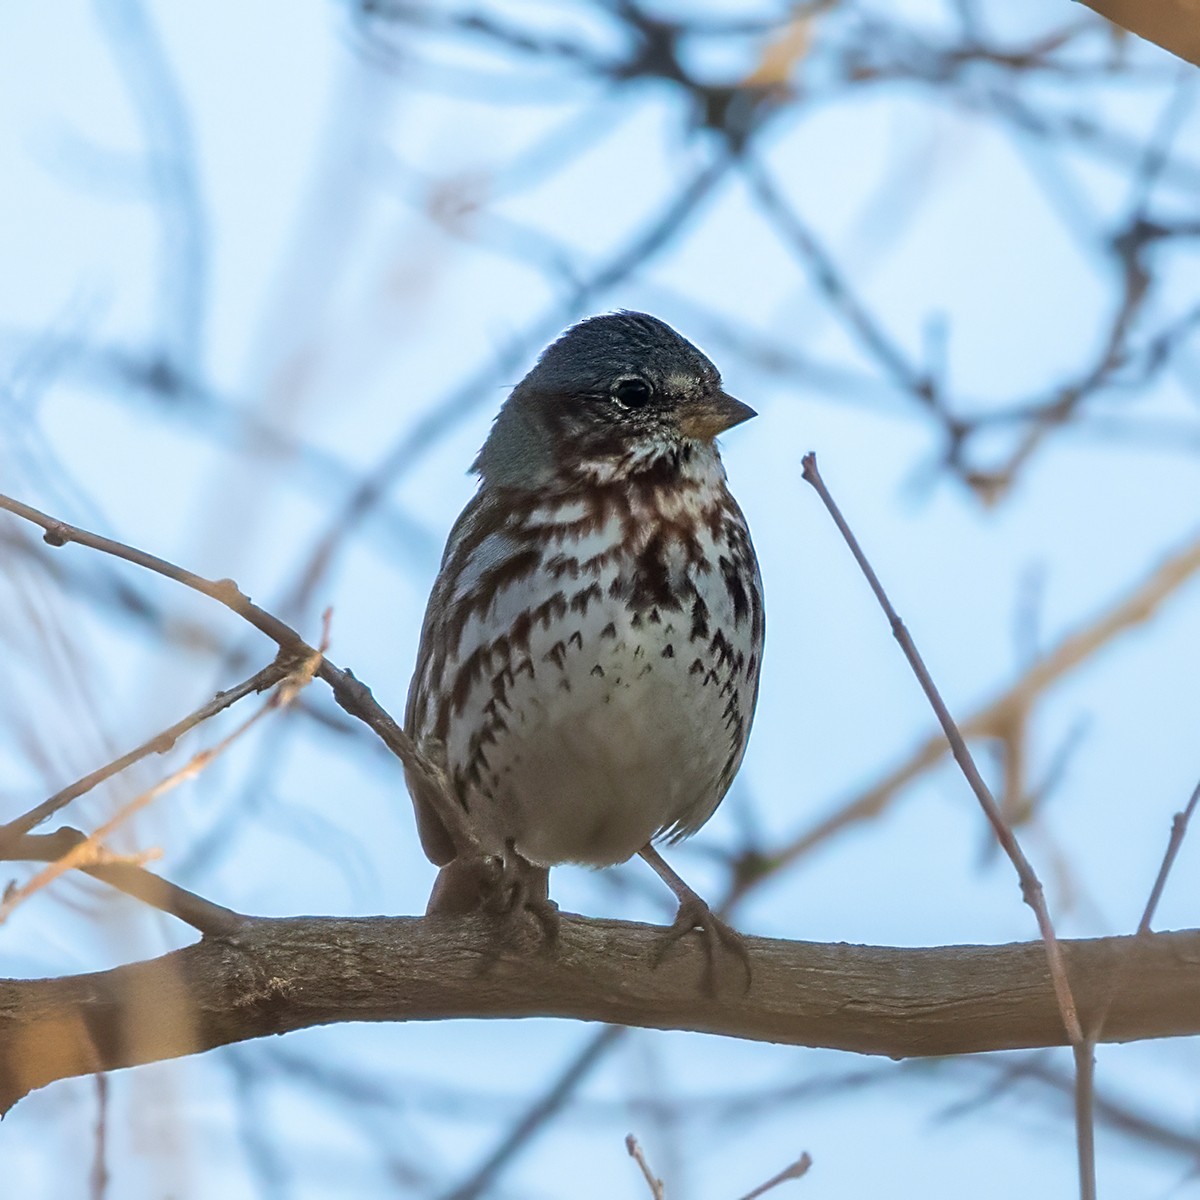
474 521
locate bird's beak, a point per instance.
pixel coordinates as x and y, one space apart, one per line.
704 419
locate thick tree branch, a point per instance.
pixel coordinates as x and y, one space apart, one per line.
276 975
1171 24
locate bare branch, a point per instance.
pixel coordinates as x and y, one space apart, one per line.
652 1181
354 696
203 915
538 1115
272 976
797 1170
1076 648
14 830
1031 885
1179 827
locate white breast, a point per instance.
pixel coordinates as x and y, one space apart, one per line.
607 725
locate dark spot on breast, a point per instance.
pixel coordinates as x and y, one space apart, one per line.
699 618
519 630
721 648
576 640
552 609
735 585
697 667
609 631
668 651
556 654
651 584
562 564
473 667
581 599
502 574
598 670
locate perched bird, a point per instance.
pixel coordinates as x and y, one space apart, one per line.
589 661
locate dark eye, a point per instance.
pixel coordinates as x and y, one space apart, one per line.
632 393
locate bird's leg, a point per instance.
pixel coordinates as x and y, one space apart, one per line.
465 885
505 886
528 890
694 913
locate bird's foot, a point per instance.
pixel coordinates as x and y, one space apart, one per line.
506 887
724 947
525 890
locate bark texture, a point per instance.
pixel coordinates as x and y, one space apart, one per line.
276 975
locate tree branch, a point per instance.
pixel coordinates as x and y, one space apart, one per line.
202 915
1170 24
353 695
12 832
276 975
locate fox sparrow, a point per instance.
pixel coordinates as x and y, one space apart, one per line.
589 660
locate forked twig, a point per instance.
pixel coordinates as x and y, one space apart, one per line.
1031 886
212 920
89 852
1179 828
12 832
353 696
657 1191
796 1170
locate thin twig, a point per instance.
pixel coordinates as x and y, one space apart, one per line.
832 284
652 1181
89 851
1085 1115
1031 887
1179 828
99 1172
354 696
1085 1056
212 920
1072 651
798 1169
14 830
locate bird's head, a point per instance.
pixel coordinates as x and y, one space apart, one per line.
623 388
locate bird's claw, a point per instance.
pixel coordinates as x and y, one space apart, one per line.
525 890
501 886
721 941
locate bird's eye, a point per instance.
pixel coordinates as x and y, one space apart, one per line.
632 393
